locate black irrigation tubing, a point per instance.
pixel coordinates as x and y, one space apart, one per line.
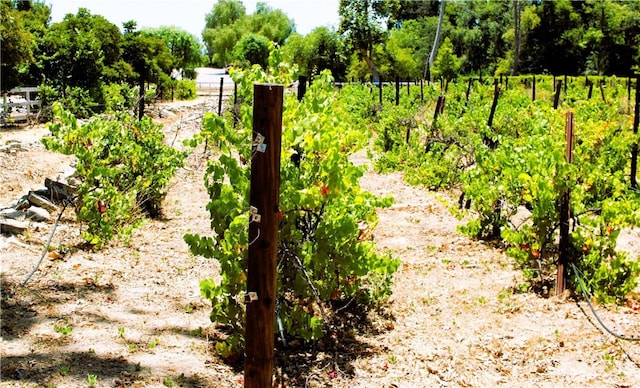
587 296
44 252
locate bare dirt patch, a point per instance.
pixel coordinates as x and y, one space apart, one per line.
132 316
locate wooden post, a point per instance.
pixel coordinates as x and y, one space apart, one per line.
590 90
397 90
466 96
556 98
236 106
565 84
494 104
492 144
565 215
421 91
220 96
604 98
302 87
408 88
263 236
533 89
628 95
380 90
141 94
634 150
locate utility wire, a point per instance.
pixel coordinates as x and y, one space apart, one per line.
587 296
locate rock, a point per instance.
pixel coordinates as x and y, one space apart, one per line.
38 214
40 201
60 190
13 226
13 214
22 204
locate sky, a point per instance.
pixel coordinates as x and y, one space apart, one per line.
189 14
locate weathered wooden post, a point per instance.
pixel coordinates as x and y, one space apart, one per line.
220 96
466 96
380 90
397 90
263 236
565 215
634 150
302 87
556 97
533 89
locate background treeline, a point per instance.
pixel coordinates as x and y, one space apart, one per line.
375 38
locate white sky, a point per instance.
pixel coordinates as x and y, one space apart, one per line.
189 14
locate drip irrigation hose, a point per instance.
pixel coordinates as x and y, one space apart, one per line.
44 252
587 296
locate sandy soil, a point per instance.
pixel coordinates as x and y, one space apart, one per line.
132 316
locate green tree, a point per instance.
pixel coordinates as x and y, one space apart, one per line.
612 37
406 49
321 49
271 23
552 45
184 47
150 59
224 13
361 22
223 30
253 49
75 52
220 42
16 45
447 64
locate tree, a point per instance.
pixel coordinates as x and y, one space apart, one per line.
149 58
446 64
273 24
552 45
225 13
321 49
183 47
15 45
516 35
223 30
361 22
220 43
72 53
436 40
406 50
253 49
612 37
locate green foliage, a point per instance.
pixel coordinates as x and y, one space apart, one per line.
447 64
321 49
184 48
186 90
124 168
325 216
514 174
119 97
16 47
252 49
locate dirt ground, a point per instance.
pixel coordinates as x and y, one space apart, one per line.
132 316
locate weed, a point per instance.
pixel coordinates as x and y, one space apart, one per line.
168 382
62 329
91 380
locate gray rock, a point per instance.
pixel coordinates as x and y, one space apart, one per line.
38 214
